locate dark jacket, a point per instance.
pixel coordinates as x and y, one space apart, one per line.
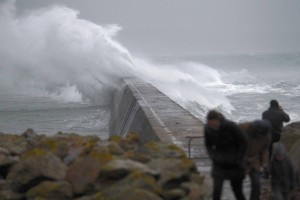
226 148
282 172
276 118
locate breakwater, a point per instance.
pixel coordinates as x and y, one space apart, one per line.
139 107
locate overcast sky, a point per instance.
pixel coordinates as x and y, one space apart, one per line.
181 27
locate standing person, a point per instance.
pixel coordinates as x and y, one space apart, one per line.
226 146
282 173
257 154
276 116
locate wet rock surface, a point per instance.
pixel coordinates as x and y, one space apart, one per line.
70 166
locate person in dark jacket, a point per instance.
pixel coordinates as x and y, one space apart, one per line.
276 116
226 146
258 134
282 173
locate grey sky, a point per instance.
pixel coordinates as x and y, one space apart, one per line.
168 27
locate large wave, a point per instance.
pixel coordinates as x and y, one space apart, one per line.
53 50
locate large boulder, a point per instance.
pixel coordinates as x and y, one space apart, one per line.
290 135
173 171
135 180
120 168
51 190
294 155
83 173
35 166
162 150
131 193
14 144
136 194
291 140
6 162
67 145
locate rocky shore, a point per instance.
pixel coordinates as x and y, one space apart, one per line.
74 167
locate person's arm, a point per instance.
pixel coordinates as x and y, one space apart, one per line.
285 116
208 143
242 142
265 151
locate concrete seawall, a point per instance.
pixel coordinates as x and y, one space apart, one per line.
140 107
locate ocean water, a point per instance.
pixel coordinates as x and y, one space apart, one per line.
247 82
59 72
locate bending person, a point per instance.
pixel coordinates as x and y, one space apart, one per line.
226 146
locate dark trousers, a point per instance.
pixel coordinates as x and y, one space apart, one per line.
237 187
271 149
255 184
275 138
279 195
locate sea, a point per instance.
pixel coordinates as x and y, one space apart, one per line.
245 82
59 72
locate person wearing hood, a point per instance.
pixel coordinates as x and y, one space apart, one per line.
257 154
226 146
282 173
276 116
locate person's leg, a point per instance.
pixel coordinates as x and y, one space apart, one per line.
277 194
217 191
286 195
255 184
237 187
271 149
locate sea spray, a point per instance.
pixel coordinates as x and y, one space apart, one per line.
53 50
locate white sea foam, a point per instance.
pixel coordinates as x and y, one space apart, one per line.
73 59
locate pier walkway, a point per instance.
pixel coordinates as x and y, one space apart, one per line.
140 107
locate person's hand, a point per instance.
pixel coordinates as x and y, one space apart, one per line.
280 109
262 169
264 172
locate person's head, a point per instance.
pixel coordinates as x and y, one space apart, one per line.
214 119
279 151
261 127
274 103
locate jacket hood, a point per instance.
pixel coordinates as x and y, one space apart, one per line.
261 127
279 149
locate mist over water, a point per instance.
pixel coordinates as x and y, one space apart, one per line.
53 62
53 50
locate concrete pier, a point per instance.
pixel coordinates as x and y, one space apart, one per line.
139 107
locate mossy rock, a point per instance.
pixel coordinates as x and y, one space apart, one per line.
14 144
120 168
162 150
61 144
136 194
290 135
137 156
50 190
83 173
129 194
135 180
173 171
294 155
34 167
8 194
173 194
